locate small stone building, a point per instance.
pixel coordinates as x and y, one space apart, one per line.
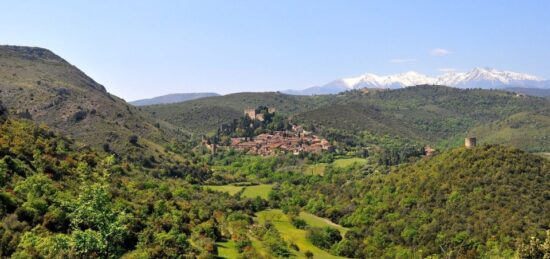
470 142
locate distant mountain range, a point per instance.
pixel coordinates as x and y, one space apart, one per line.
172 98
486 78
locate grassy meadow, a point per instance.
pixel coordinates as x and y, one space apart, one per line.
252 191
227 249
319 168
298 236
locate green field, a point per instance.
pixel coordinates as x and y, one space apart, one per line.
261 190
252 191
231 189
319 169
227 249
319 222
345 162
315 169
297 236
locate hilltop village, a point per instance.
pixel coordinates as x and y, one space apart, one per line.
287 139
295 141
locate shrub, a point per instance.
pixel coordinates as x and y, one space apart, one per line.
133 139
79 116
298 223
323 237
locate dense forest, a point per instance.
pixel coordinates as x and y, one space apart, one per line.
62 201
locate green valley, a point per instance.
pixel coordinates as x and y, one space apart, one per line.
360 174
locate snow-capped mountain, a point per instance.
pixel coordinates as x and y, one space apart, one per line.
489 78
389 81
476 78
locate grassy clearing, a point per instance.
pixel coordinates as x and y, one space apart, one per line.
345 162
315 221
261 190
251 191
319 169
257 244
231 189
294 235
315 169
227 249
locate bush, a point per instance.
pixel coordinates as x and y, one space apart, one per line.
79 116
323 237
133 139
7 203
242 244
3 113
298 223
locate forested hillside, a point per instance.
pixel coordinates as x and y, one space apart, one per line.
60 201
464 203
427 114
526 130
207 114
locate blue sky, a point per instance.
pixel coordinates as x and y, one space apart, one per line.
142 49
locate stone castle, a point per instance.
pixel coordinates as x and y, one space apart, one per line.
254 115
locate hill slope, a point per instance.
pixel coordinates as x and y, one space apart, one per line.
39 85
431 114
540 92
58 200
463 203
207 114
172 98
428 114
455 200
526 130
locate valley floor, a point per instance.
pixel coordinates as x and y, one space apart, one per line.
290 234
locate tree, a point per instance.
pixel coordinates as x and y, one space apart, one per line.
535 248
97 229
133 139
298 223
323 237
3 113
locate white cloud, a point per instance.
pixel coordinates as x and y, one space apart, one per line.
439 52
447 70
401 60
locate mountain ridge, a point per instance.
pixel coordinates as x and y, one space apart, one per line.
172 98
486 78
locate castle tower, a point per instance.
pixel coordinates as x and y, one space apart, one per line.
470 142
251 113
